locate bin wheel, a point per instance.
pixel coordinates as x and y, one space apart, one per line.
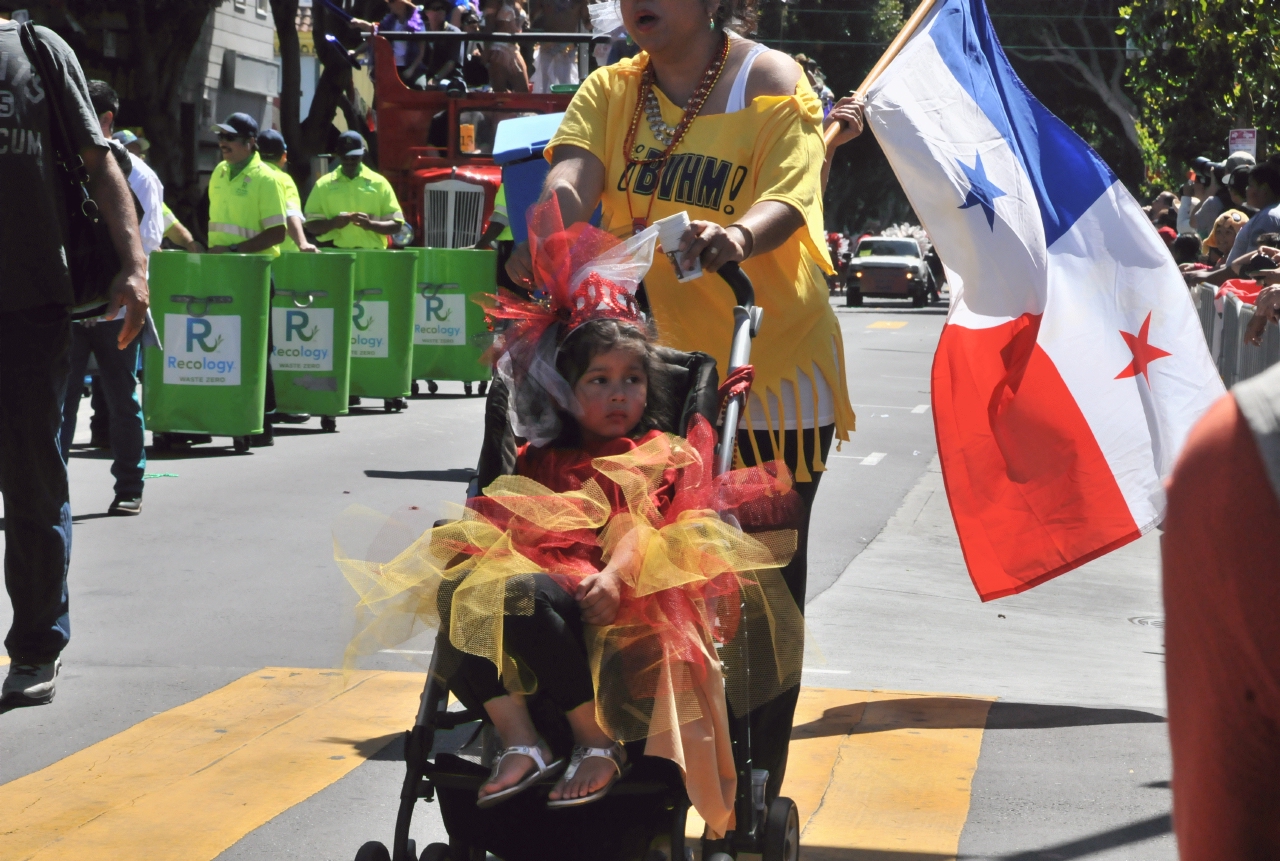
161 442
329 423
240 444
782 832
483 388
436 852
432 387
413 389
394 405
373 851
466 389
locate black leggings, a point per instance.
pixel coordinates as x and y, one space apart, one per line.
771 723
549 642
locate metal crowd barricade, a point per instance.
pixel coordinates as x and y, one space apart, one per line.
1232 332
1254 360
1204 296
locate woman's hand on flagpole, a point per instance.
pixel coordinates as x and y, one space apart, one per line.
848 113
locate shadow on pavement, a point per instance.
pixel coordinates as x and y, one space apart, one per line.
461 476
1025 716
1135 832
949 713
371 748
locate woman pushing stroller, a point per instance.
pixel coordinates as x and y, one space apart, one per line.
610 574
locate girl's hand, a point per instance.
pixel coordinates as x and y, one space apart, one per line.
598 597
847 112
520 266
714 244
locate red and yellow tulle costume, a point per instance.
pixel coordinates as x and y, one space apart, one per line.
705 596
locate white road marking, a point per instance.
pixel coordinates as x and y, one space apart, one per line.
403 652
874 458
923 408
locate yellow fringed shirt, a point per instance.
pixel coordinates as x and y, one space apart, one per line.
770 150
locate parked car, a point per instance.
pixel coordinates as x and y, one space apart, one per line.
886 267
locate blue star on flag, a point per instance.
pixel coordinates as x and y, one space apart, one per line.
982 191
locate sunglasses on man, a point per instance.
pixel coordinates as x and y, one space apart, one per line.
227 137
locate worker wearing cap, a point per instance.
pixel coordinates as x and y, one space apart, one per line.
275 154
246 204
353 206
246 215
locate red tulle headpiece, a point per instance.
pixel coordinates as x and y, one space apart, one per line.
580 274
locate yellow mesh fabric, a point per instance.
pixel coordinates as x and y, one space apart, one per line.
704 592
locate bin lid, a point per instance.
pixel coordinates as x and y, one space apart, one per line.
524 137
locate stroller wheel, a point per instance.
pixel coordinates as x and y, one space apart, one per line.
782 832
373 851
436 852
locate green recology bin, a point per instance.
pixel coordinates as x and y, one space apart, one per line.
382 326
311 333
211 375
449 331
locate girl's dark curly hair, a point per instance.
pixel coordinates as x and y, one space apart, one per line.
601 336
740 16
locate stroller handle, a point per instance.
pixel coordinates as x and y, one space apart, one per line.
738 281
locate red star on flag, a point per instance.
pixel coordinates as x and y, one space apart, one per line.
1143 353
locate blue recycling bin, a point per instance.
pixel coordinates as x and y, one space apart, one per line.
517 148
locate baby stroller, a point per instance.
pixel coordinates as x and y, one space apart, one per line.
448 752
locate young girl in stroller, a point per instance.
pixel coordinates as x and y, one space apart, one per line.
611 573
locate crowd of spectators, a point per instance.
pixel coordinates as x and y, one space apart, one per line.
1223 229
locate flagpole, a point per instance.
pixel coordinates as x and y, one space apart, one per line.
890 54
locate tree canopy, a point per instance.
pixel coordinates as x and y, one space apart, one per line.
1198 70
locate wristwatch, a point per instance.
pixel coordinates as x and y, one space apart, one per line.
234 249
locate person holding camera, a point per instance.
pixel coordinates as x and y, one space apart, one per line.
37 295
1206 196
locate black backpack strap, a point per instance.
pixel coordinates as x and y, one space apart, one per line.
68 157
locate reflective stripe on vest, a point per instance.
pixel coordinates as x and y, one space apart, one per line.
233 230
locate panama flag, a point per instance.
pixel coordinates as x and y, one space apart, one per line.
1072 365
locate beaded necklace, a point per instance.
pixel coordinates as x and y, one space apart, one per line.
647 105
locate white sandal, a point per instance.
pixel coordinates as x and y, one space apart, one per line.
615 754
542 770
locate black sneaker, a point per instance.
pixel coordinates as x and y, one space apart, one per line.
262 440
125 505
288 418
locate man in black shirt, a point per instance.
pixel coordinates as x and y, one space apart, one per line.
35 336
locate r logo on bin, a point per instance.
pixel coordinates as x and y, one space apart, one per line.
198 329
295 322
435 304
358 320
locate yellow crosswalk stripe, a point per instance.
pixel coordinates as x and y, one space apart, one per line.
887 324
4 660
879 774
188 783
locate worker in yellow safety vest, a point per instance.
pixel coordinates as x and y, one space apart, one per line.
275 155
353 206
246 215
246 204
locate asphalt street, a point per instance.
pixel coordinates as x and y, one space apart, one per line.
218 615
